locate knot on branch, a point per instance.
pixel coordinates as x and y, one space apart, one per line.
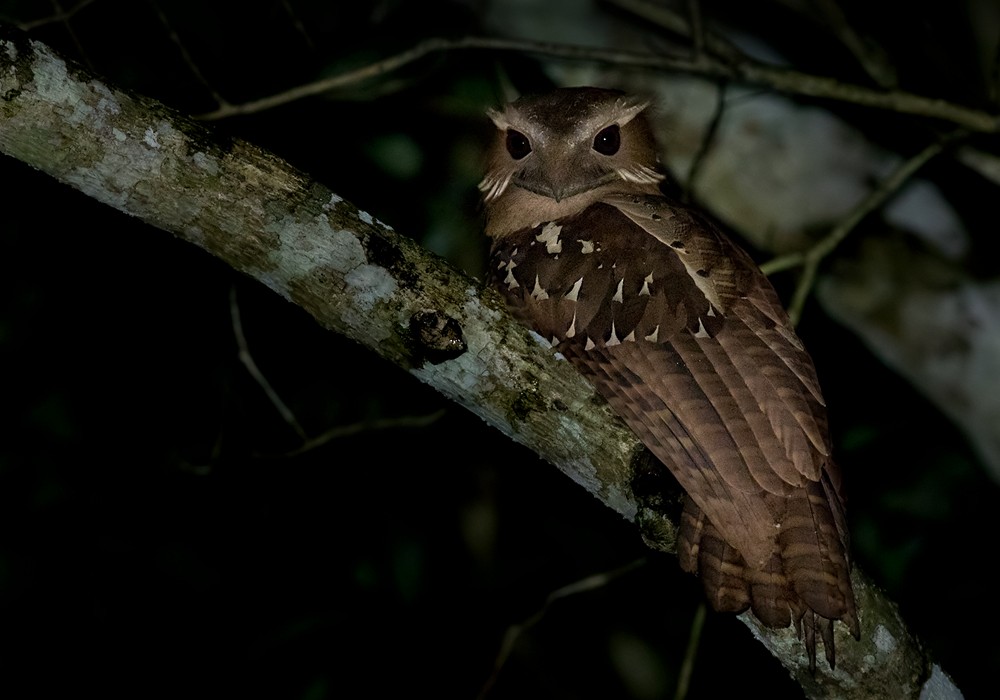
436 337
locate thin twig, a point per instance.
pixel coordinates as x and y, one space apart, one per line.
342 431
662 16
783 80
185 56
811 258
60 15
871 58
247 359
697 28
297 23
513 632
994 76
984 163
64 17
319 87
687 667
706 141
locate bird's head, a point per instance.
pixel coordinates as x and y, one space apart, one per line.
568 142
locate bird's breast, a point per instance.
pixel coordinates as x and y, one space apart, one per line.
598 279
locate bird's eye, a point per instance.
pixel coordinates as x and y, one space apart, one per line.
608 140
518 145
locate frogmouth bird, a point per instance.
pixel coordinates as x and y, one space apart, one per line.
686 339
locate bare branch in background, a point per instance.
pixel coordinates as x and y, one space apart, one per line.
296 21
706 142
660 15
342 431
60 15
869 56
246 359
514 632
334 433
784 80
811 258
697 28
691 653
185 54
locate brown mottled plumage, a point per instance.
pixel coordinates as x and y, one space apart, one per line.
678 329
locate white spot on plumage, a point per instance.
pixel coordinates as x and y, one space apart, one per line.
588 246
613 340
618 292
630 338
538 292
703 283
652 337
574 293
550 237
571 331
711 311
702 333
509 279
644 292
590 344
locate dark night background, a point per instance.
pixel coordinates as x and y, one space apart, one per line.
157 540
